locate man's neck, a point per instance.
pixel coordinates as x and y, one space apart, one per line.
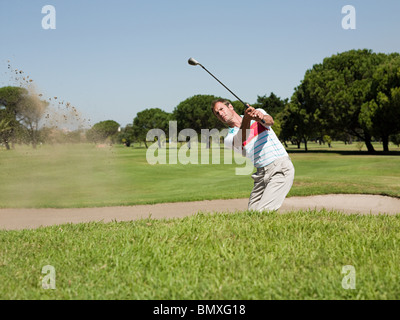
235 122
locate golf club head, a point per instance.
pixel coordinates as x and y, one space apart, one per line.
193 62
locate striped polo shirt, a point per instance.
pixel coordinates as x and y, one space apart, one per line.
262 145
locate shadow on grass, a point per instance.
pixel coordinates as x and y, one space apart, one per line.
346 153
300 151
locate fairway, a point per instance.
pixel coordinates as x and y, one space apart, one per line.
73 176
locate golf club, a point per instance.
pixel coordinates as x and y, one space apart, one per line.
194 62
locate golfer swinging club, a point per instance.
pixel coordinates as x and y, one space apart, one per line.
275 171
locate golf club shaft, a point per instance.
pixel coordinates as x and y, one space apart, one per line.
245 105
194 62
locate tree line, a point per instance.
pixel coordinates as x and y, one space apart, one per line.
354 95
351 94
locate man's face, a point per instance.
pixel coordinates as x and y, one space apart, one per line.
224 112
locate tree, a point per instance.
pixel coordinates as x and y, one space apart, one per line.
102 131
336 90
195 113
22 111
300 120
295 125
126 136
5 125
30 112
395 139
9 99
326 138
273 105
148 119
238 106
382 113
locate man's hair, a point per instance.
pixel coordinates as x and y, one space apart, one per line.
224 101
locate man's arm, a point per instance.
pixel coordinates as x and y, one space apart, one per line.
256 115
245 125
259 116
249 115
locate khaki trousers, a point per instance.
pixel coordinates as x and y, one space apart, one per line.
271 185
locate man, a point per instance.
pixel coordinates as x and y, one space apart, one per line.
275 171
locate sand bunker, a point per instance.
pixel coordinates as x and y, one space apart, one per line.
16 219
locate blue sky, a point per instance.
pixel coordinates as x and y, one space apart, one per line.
112 59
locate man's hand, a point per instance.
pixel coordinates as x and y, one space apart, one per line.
256 115
252 114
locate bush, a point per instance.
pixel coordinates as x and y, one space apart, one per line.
395 139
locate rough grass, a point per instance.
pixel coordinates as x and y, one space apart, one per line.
245 255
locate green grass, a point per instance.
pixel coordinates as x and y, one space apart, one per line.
86 176
244 255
